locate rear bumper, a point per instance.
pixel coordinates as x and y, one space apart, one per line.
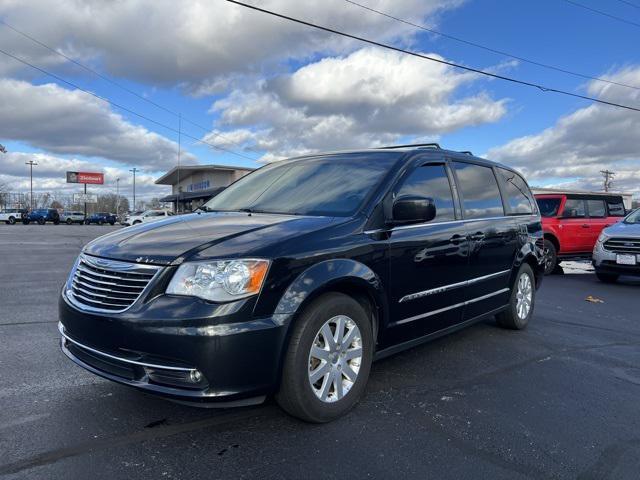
237 358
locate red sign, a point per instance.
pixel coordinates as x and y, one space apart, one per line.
85 177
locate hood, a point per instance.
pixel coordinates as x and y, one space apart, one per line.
176 238
624 230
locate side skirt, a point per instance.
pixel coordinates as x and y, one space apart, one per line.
387 352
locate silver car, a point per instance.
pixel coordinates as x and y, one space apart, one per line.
617 251
70 217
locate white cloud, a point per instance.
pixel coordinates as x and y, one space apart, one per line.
72 122
193 42
582 143
49 176
370 97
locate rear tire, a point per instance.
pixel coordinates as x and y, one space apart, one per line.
41 221
25 221
11 221
100 222
550 257
521 302
326 399
607 277
69 221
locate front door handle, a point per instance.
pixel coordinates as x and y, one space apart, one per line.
456 239
477 237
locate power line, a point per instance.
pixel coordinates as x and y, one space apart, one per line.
489 49
121 107
113 82
433 59
605 14
631 4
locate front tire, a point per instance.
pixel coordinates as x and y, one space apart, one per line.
521 302
11 221
41 221
328 359
69 221
607 277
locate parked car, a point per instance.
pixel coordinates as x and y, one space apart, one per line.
146 216
42 216
300 274
12 215
70 217
617 251
572 223
101 218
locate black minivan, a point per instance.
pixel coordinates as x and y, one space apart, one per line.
296 277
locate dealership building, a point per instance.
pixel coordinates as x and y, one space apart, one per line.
192 185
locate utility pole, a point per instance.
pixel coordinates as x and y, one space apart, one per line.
134 170
117 196
31 163
179 154
608 179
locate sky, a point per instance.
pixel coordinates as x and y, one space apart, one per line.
215 83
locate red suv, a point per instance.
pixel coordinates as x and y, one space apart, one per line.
572 223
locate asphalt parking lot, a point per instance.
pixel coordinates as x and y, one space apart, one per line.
559 400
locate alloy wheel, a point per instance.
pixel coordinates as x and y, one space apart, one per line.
335 358
524 296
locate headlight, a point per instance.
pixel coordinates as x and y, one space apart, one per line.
603 237
219 280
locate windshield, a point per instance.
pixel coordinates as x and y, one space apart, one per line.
331 186
633 217
548 206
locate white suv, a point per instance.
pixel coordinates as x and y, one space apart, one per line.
11 215
145 217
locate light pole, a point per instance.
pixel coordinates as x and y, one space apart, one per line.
117 196
134 170
31 163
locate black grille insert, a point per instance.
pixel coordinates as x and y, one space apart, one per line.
623 245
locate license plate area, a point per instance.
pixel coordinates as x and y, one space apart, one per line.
626 259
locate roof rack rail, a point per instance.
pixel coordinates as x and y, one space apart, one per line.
429 145
466 152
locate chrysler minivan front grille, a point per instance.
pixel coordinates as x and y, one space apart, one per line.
108 285
623 245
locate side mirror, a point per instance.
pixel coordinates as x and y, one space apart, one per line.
413 209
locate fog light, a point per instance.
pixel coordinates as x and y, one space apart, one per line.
195 376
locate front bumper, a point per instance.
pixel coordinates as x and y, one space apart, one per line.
604 261
159 345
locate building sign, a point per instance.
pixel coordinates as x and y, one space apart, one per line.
85 198
85 177
194 187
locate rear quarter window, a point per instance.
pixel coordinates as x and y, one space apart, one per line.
519 199
616 207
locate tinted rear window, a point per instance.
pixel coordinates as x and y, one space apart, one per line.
519 199
480 193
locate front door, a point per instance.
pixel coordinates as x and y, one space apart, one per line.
428 261
576 232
